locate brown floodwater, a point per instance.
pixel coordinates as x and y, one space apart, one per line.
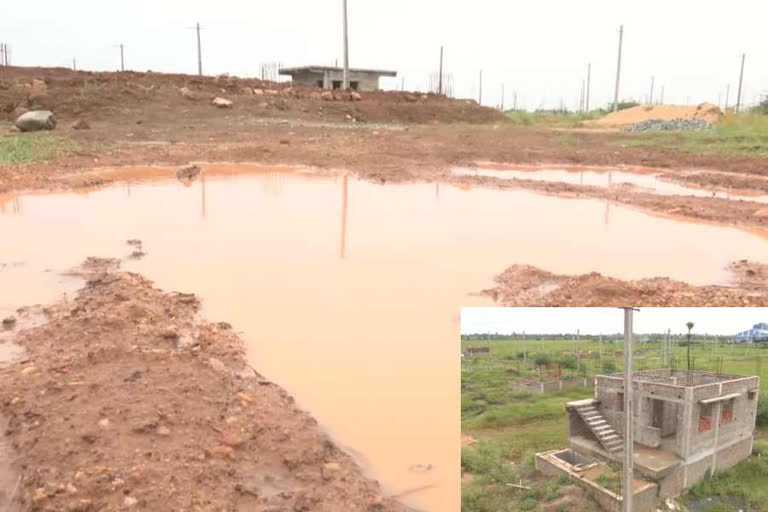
348 293
645 180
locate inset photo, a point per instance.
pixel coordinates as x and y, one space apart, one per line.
614 409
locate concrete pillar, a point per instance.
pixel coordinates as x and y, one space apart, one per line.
326 80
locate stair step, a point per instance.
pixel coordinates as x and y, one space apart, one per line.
608 437
595 423
604 427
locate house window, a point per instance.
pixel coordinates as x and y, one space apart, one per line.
320 84
727 414
620 402
337 84
354 85
705 418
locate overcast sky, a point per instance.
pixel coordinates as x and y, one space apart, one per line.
609 320
538 48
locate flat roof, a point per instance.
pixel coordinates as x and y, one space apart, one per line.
320 69
678 377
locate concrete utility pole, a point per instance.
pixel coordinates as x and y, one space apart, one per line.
651 96
589 78
440 77
741 79
74 64
618 71
628 416
480 99
727 94
581 97
502 97
345 76
661 100
122 61
199 53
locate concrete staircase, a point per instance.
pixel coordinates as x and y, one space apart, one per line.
608 437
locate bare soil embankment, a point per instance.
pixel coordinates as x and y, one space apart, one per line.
126 399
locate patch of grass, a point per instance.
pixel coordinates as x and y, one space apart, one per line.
33 147
550 119
745 481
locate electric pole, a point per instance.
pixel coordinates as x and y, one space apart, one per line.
74 64
589 77
651 96
345 76
502 97
440 77
199 53
618 71
581 98
741 78
480 99
628 416
122 62
727 93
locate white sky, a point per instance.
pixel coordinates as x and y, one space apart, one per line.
609 320
539 48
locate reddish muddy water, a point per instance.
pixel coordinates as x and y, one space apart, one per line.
348 293
645 181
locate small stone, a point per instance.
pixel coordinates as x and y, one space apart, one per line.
39 495
162 430
356 96
81 124
29 369
330 469
104 423
71 489
221 102
130 501
188 172
258 92
9 321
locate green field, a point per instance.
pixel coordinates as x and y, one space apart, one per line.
510 426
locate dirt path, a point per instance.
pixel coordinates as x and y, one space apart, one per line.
128 400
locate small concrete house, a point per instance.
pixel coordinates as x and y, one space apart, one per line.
685 425
329 77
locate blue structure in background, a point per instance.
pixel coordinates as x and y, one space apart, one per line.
758 333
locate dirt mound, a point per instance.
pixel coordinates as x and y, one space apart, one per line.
161 96
126 399
705 112
524 285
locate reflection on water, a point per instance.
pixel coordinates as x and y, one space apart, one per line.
347 292
645 181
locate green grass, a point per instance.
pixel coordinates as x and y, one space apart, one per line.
745 482
33 147
549 119
738 135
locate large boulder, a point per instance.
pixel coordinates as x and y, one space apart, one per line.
36 120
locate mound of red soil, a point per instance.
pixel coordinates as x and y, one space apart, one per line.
127 400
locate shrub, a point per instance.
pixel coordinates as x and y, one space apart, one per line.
528 504
762 410
609 366
568 361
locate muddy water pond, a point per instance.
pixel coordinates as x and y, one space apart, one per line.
348 292
643 181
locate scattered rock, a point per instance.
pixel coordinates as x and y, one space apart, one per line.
356 96
258 92
271 92
326 96
670 125
36 120
762 212
9 321
187 93
38 89
81 124
104 423
130 501
247 91
188 172
411 98
164 431
221 102
330 469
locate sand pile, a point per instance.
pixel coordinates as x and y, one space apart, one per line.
705 112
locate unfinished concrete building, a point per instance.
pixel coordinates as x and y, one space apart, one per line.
685 425
329 77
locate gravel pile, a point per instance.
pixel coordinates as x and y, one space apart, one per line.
670 125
